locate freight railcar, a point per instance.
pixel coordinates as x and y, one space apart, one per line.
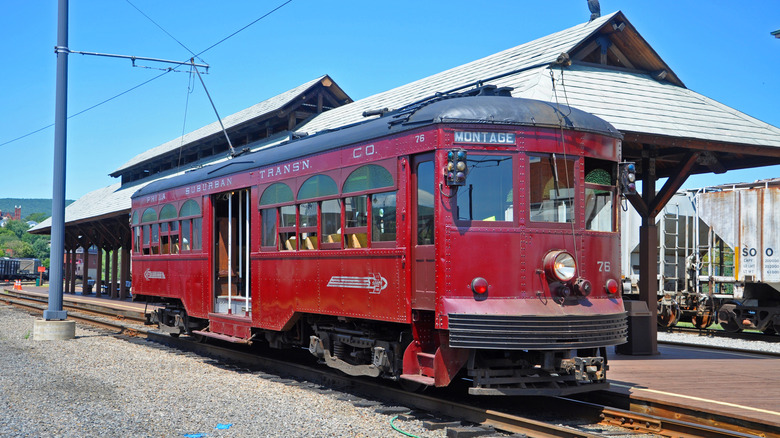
466 236
18 269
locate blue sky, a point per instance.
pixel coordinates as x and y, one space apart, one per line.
718 49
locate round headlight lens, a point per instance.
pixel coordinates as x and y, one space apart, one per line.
560 265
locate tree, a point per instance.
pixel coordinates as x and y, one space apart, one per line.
36 217
17 227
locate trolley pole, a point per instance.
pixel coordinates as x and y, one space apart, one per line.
55 311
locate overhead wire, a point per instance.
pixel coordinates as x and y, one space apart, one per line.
569 184
163 29
197 55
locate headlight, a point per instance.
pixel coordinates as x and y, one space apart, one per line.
560 265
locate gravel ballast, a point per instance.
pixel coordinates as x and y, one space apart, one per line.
98 385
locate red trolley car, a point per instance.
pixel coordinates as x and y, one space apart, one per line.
471 236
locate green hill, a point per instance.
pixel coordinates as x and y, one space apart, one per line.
29 206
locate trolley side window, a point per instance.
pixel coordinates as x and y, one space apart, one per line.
551 188
169 230
313 189
331 223
136 233
600 193
277 193
191 226
487 195
369 219
149 233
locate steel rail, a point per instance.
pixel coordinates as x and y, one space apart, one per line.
121 327
663 420
93 308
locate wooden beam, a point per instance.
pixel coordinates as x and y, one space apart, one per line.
620 56
704 145
673 184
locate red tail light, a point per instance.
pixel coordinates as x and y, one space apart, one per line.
479 285
611 286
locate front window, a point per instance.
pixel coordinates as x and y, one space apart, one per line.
383 217
487 195
599 196
551 188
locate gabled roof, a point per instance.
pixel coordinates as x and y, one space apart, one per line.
609 70
266 107
539 53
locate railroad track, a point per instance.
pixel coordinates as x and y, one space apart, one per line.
747 336
127 323
486 413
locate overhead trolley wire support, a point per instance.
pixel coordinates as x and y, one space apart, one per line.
232 151
59 49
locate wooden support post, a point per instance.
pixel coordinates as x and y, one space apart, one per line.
72 269
66 269
99 272
123 292
85 270
114 270
107 272
648 255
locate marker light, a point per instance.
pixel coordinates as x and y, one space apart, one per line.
479 285
456 169
611 286
560 265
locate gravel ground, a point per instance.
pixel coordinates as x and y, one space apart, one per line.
773 347
97 385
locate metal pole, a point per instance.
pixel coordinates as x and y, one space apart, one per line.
55 311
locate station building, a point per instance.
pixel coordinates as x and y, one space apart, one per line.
603 66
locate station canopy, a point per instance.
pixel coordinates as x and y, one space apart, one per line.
604 67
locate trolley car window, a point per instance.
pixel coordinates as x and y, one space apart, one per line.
425 180
487 195
317 187
186 237
276 193
136 233
331 223
191 227
551 188
599 197
269 227
169 231
356 221
287 239
149 216
308 226
150 232
368 177
189 208
383 217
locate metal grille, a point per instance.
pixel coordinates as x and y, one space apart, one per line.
537 332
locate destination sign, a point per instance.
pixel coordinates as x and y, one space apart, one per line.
500 138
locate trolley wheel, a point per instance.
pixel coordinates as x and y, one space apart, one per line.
769 330
410 386
668 314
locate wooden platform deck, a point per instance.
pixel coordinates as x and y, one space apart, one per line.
730 383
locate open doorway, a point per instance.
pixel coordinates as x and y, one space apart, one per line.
231 252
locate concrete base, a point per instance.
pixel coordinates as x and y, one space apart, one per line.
53 330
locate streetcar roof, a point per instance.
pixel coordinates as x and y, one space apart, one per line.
483 110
